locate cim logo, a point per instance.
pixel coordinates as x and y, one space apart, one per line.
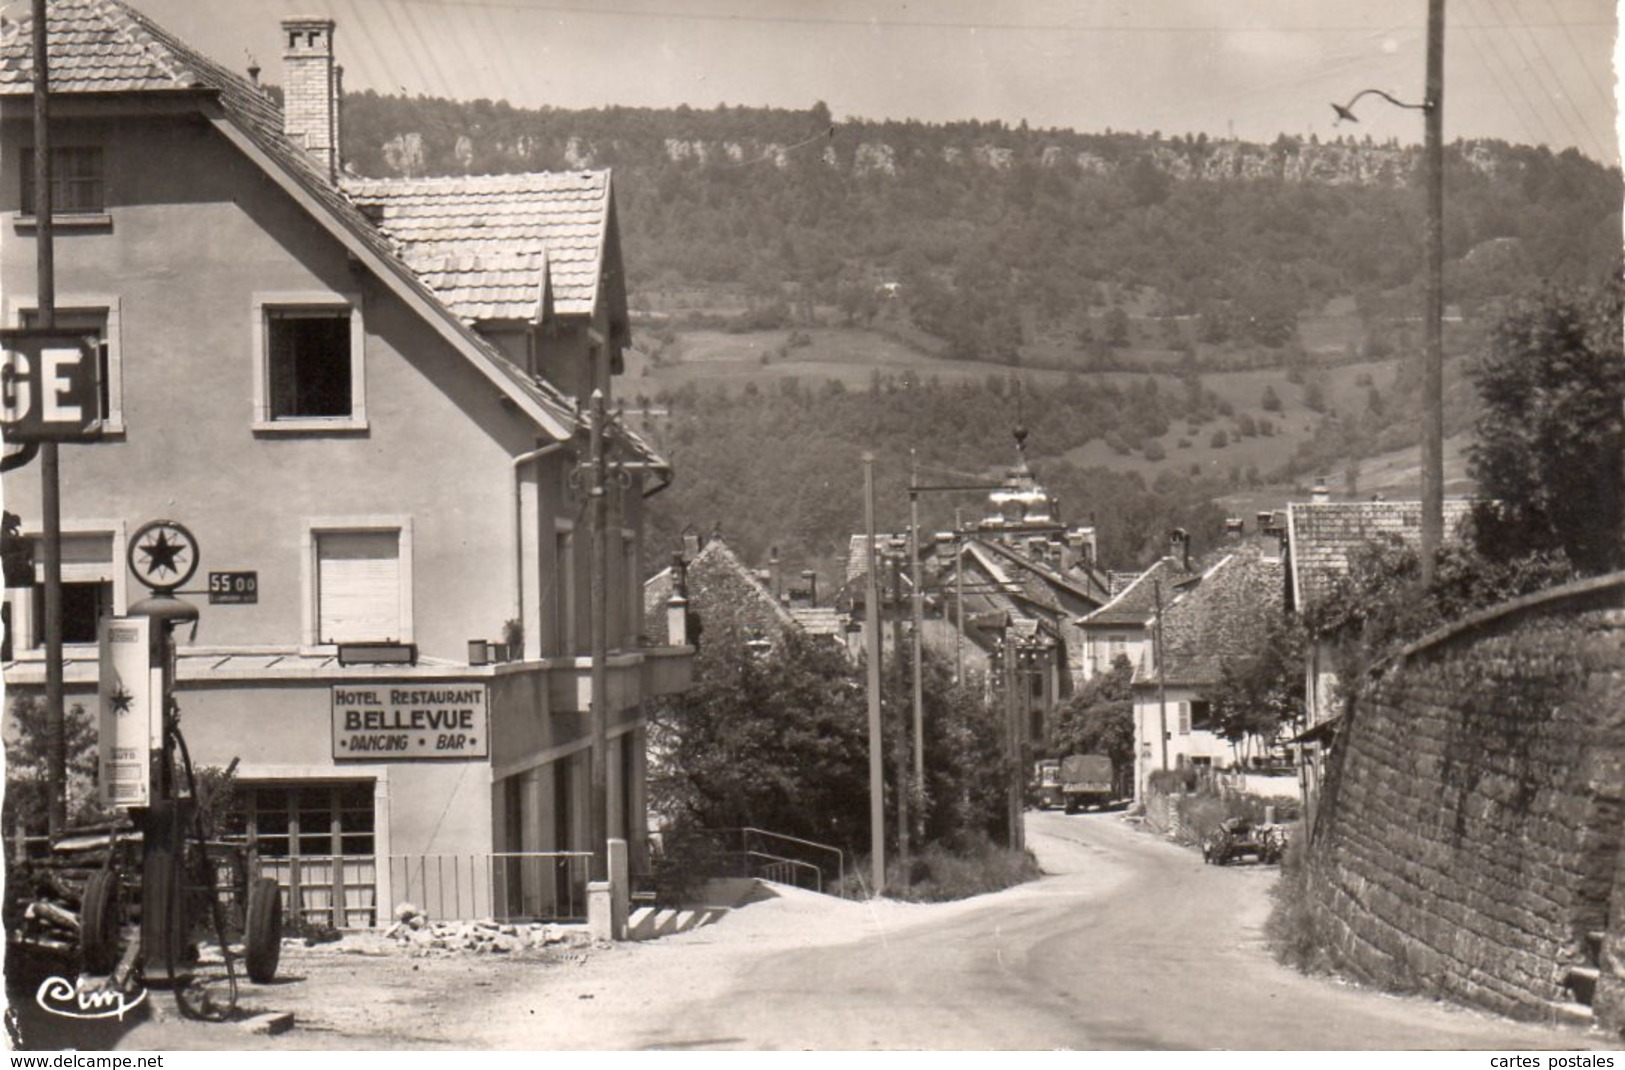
71 999
48 389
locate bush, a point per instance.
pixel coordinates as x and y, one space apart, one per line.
977 868
1219 440
1154 451
1290 930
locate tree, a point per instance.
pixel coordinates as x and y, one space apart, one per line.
1259 694
1551 439
778 739
1099 717
26 795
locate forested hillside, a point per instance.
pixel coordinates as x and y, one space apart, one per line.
998 236
1274 289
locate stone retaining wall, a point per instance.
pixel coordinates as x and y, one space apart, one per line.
1474 812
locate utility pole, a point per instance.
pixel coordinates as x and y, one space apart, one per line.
1013 735
903 778
1433 353
918 621
598 497
1162 674
56 743
871 621
959 601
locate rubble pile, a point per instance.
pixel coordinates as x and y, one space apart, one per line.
415 930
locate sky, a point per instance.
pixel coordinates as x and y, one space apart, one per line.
1527 71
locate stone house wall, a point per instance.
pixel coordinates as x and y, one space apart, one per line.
1474 813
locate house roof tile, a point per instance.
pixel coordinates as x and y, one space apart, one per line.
1136 603
1323 536
1218 621
498 246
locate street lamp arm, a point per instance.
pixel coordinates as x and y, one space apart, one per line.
1346 111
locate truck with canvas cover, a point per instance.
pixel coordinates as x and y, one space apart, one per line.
1086 780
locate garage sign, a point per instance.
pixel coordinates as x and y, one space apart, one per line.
48 387
386 722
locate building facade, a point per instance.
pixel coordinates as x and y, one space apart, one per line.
377 423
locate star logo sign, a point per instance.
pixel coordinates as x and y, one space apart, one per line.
121 700
163 555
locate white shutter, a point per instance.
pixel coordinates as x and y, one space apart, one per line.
358 586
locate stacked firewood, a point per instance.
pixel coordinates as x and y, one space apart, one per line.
47 898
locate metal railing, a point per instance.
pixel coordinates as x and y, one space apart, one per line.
749 832
782 870
503 885
753 852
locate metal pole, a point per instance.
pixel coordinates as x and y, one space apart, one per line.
918 614
1433 351
871 615
1162 681
598 808
56 743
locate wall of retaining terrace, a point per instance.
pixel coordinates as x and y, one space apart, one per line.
1473 822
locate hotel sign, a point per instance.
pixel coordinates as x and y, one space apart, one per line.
387 722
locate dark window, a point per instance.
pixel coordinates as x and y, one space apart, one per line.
77 182
309 362
1201 714
91 321
83 604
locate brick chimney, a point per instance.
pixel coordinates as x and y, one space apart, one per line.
311 91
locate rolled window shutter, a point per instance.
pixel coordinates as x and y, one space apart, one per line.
359 586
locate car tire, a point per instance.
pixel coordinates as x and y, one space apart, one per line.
263 930
99 922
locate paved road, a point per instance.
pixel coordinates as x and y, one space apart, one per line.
1130 943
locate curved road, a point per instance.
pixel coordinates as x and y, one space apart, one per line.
1128 943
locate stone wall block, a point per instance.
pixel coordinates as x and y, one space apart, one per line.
1479 813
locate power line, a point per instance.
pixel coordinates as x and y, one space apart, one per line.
928 24
1540 80
1563 91
1535 112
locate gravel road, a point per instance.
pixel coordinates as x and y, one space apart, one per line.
1127 943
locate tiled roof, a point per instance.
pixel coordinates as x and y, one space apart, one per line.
1219 620
96 47
1039 580
102 46
1322 537
498 246
1137 603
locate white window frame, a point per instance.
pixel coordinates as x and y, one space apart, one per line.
318 300
310 568
29 646
20 305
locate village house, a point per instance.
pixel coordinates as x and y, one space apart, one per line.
1323 538
1214 622
1121 627
368 396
